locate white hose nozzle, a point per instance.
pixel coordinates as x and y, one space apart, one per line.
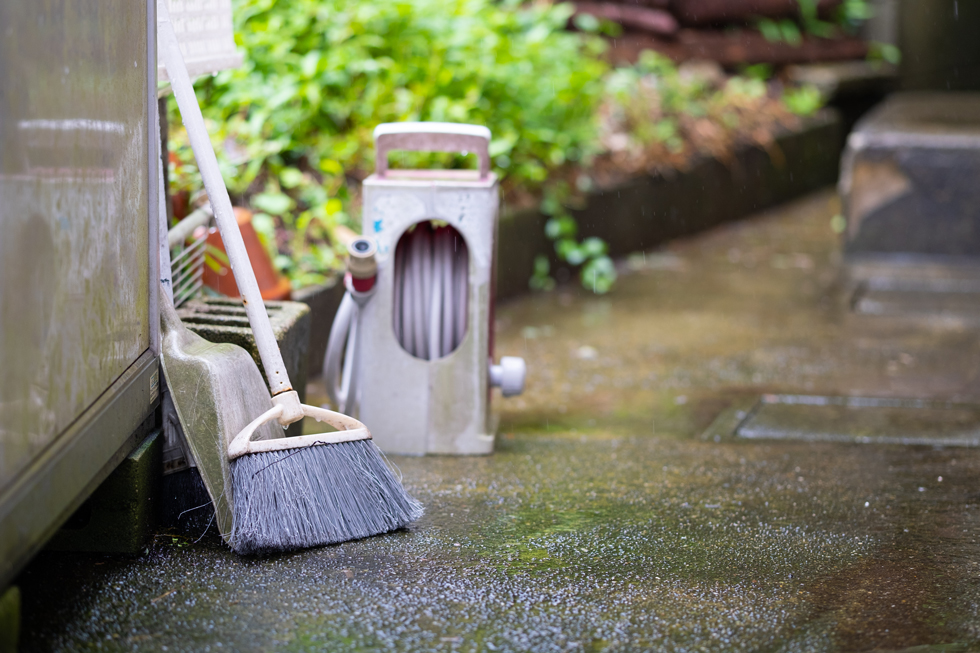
362 264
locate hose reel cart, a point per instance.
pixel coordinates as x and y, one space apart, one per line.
411 348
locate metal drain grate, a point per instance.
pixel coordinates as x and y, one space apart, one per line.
863 420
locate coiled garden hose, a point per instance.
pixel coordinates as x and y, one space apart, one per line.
430 313
430 293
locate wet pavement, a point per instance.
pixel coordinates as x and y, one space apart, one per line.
604 522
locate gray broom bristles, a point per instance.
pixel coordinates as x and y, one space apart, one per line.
316 495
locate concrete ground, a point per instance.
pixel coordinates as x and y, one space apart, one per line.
604 521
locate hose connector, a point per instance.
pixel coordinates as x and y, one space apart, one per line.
362 266
509 375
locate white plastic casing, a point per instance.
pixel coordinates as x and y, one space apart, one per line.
414 406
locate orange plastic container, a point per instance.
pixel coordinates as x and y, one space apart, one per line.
272 285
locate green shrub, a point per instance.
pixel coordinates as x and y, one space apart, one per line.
655 116
847 18
294 123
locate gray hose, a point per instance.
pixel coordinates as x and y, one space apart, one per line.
431 288
429 312
342 334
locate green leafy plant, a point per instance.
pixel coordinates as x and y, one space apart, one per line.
804 100
782 30
846 19
541 278
590 255
656 116
884 52
293 125
215 259
812 24
851 14
761 71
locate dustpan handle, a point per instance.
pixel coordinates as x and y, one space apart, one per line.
207 163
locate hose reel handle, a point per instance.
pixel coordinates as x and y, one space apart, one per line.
431 137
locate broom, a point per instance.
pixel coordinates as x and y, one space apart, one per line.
286 493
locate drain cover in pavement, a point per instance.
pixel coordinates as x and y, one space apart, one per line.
850 419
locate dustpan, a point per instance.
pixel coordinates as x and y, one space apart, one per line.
217 391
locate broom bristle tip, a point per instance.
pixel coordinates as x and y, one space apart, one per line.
300 498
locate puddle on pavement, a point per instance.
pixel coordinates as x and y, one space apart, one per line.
932 304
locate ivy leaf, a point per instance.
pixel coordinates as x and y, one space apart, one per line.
586 22
273 203
570 251
790 32
561 227
770 30
290 177
803 101
594 247
541 279
599 275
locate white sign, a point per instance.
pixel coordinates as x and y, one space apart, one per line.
207 40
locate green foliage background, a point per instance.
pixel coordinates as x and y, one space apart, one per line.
293 124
